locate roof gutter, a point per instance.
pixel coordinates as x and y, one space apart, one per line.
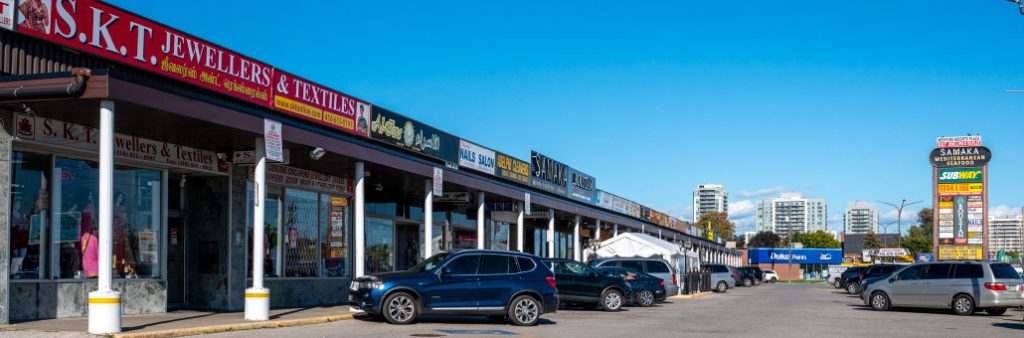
71 90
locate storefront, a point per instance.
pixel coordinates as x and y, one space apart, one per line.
350 188
796 264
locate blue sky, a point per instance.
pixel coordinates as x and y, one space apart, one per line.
839 100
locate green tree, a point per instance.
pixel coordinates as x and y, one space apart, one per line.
871 241
720 224
926 220
817 239
918 239
764 239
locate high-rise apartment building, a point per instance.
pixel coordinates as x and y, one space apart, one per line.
860 218
709 198
790 213
1005 234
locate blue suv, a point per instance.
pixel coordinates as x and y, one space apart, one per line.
497 284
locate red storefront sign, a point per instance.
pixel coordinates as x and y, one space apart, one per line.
311 101
106 31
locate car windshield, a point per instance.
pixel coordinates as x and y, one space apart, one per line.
430 263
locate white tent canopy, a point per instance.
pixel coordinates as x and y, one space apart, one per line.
633 244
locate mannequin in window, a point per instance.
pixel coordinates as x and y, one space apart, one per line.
124 256
89 242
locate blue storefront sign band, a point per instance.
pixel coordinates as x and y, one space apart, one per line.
795 256
582 187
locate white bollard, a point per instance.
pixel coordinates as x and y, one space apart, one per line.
257 304
104 312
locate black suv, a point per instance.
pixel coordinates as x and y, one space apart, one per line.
853 282
851 271
580 284
751 275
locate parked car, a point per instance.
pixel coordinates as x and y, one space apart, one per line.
497 284
843 277
835 273
580 284
723 276
646 289
750 277
853 283
651 266
964 287
770 276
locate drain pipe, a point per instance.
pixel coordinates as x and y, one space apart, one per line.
73 89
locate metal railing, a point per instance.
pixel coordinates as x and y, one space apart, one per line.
696 282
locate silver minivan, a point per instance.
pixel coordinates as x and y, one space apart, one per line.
723 277
651 266
964 287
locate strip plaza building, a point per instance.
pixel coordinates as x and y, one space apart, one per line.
134 161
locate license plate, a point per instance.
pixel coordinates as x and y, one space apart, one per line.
354 286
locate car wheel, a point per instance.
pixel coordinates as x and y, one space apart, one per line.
880 302
645 298
853 288
722 287
747 282
400 308
836 284
995 311
963 305
524 311
611 300
774 280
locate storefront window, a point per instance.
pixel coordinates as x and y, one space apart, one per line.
271 229
30 214
335 211
497 235
136 221
463 231
301 226
379 245
540 242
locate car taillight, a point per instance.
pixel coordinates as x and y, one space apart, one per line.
662 282
861 276
674 280
551 280
995 286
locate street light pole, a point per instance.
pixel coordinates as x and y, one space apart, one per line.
885 229
899 216
1020 5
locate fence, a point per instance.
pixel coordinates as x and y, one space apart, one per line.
696 282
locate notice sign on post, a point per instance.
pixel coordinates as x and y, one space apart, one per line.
272 140
438 181
526 203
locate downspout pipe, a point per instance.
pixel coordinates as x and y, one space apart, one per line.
73 89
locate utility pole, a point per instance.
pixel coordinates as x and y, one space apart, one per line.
899 217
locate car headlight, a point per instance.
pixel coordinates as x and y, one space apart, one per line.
373 284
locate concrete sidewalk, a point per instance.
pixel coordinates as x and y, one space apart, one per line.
191 322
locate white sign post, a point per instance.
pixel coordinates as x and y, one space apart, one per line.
273 141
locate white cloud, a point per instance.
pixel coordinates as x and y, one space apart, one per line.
742 213
683 213
760 192
1003 210
909 216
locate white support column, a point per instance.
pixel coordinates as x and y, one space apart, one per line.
643 229
576 252
257 298
360 220
597 230
659 233
481 197
105 302
615 230
519 228
428 219
551 233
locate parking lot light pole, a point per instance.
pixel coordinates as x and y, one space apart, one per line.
899 216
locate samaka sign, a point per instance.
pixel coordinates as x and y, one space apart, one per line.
110 32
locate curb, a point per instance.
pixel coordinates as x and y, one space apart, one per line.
233 327
693 296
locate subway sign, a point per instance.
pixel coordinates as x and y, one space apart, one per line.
960 175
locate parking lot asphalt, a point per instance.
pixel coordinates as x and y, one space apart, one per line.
780 310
